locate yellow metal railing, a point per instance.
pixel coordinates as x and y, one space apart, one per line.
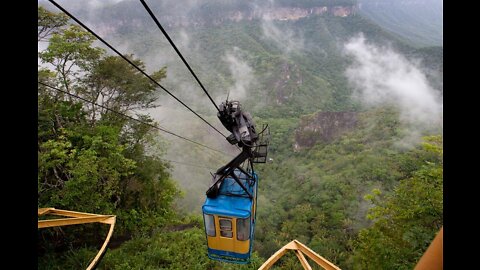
300 250
75 218
433 256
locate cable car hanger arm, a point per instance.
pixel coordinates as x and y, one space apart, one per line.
243 134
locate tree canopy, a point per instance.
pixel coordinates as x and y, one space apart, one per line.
91 159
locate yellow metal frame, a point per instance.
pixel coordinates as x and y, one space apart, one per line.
299 249
77 218
433 256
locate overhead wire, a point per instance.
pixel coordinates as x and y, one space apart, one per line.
150 12
131 63
187 164
178 52
132 118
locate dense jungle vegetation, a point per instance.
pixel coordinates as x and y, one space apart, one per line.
359 199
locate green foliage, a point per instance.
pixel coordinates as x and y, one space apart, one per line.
84 70
93 160
49 23
82 171
317 194
167 249
90 159
72 259
184 249
120 86
405 221
71 52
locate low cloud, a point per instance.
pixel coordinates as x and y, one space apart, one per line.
284 37
241 73
380 76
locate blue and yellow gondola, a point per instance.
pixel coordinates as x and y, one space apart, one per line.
229 219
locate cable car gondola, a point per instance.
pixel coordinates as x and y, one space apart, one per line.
229 211
230 219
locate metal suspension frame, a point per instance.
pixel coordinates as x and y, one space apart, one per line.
251 154
75 218
254 145
229 170
300 250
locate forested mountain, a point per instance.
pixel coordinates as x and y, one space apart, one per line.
354 109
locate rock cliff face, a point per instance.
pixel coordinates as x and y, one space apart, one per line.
323 127
197 17
277 13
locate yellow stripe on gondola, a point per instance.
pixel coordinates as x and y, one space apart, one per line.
225 243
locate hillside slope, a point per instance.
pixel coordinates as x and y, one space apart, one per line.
419 22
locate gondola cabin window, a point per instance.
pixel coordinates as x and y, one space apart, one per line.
243 229
209 225
226 227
